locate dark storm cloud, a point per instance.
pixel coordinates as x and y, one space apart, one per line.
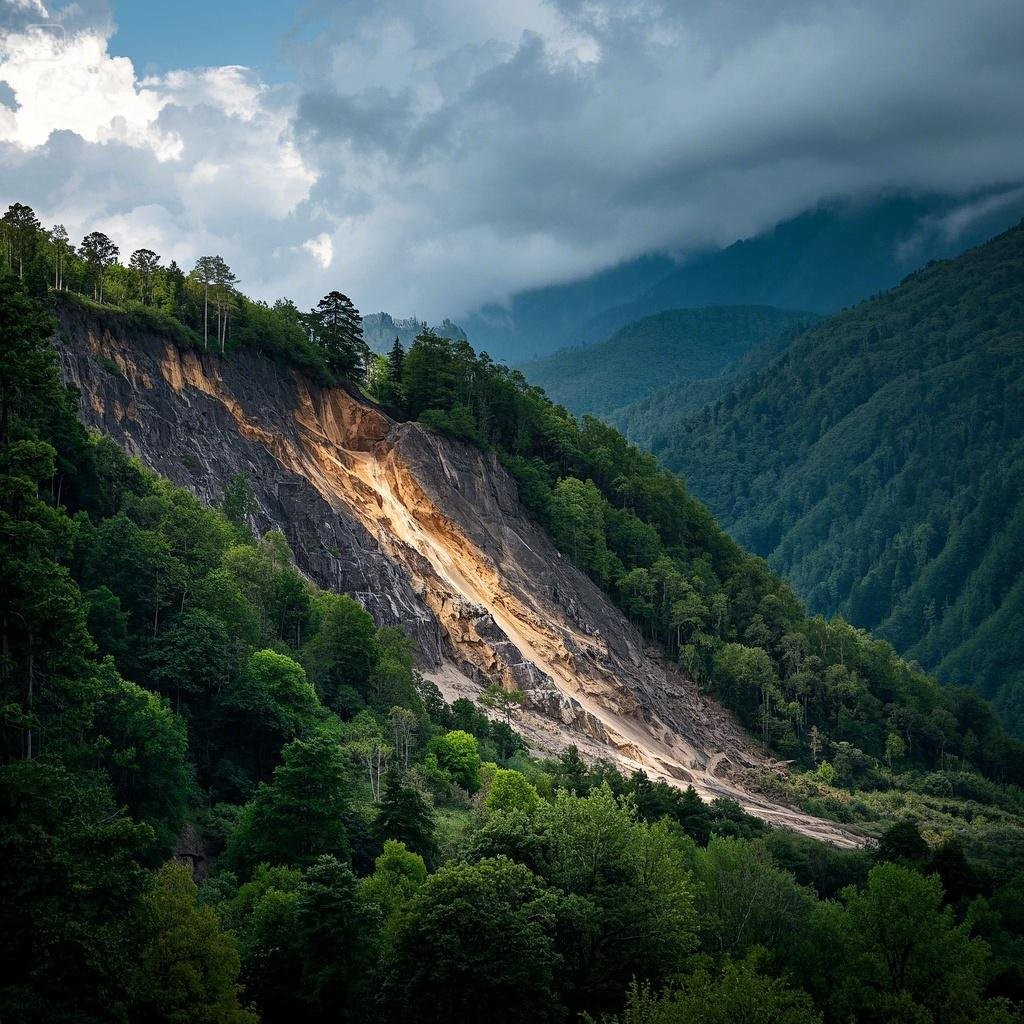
621 128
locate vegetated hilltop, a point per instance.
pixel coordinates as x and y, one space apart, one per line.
678 345
878 464
346 843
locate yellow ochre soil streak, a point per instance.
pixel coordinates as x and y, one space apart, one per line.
341 448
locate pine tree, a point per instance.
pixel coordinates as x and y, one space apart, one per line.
338 328
406 816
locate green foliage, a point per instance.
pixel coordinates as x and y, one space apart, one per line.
475 942
677 345
457 757
299 815
187 967
405 816
511 791
740 994
834 462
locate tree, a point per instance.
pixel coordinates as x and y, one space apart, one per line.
343 651
59 239
405 816
71 867
907 956
634 897
577 525
457 755
745 901
397 874
511 791
365 743
145 263
99 253
21 228
187 967
335 940
300 814
504 702
338 328
143 746
268 704
396 366
474 943
204 274
403 726
742 995
223 281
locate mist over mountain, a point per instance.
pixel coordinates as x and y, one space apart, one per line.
695 345
825 259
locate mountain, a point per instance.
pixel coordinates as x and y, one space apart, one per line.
878 463
822 260
381 329
218 766
677 345
428 534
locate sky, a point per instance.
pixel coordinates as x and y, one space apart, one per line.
431 157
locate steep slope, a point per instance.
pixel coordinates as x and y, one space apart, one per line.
879 464
427 533
677 345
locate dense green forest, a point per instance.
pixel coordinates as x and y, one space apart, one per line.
675 346
877 464
380 855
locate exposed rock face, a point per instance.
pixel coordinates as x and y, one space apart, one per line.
427 533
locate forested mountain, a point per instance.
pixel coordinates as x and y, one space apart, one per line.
822 260
878 463
229 793
677 345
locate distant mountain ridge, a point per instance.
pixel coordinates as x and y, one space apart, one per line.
381 329
827 258
878 463
673 346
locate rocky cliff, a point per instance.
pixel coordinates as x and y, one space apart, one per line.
427 533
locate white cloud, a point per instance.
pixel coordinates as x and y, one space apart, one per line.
432 157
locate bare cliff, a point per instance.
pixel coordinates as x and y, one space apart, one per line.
427 533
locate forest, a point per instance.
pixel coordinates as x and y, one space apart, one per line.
680 345
373 853
876 464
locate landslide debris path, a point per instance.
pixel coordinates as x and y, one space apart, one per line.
428 533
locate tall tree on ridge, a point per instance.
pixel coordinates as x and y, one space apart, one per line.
59 239
203 273
339 329
145 262
20 230
99 252
224 282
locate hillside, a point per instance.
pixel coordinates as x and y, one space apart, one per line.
877 464
677 345
181 678
822 260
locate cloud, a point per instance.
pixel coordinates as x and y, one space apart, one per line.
435 157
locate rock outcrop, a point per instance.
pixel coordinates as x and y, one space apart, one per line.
427 533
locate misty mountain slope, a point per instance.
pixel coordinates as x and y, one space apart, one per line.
427 533
679 344
822 260
877 463
651 422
